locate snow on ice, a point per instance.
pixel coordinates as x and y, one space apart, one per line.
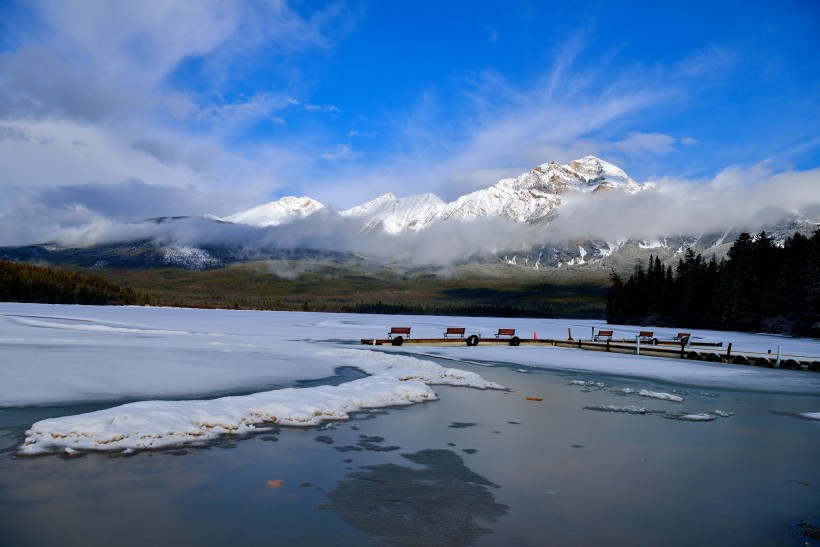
158 424
188 376
395 380
653 395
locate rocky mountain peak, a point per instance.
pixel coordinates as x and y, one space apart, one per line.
532 197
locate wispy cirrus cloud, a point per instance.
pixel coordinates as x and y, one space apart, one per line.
507 130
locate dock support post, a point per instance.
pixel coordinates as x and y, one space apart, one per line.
729 353
777 363
682 347
607 344
638 346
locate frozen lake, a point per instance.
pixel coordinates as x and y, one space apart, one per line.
603 458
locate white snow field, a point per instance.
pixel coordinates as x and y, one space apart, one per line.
53 355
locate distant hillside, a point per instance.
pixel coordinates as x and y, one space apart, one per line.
311 283
28 283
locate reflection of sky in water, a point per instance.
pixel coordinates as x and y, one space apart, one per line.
568 475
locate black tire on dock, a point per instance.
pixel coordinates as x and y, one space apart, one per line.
814 366
654 341
714 358
693 356
740 360
514 341
398 340
472 340
790 364
763 362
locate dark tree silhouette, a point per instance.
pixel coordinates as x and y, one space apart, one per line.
761 286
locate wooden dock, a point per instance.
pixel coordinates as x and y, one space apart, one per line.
697 351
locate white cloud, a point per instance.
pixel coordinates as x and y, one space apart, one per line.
642 143
736 198
343 152
708 64
243 110
104 158
101 73
91 97
137 43
323 108
506 131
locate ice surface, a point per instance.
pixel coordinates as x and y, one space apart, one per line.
396 380
629 409
54 355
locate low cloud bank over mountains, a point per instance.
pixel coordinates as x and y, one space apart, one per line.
585 209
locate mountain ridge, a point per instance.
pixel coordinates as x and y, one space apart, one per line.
533 197
506 227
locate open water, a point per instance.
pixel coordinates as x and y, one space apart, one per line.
475 467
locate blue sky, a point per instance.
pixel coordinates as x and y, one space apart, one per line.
219 106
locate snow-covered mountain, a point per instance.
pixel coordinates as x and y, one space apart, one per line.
285 210
394 215
535 196
532 198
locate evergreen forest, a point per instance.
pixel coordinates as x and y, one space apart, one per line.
253 287
29 283
759 287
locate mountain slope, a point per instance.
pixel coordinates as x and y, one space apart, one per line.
285 210
533 197
394 215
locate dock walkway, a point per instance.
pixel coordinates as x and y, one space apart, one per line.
704 351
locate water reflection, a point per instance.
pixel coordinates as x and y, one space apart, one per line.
439 504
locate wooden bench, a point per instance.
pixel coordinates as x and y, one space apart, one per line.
603 334
505 332
454 331
682 336
646 336
399 330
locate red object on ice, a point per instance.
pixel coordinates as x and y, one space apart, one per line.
534 335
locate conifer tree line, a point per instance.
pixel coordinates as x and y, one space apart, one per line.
28 283
759 287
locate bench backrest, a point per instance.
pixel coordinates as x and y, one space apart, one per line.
646 334
400 330
605 333
455 330
683 335
506 332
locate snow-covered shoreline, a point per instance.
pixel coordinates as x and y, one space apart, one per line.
395 381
